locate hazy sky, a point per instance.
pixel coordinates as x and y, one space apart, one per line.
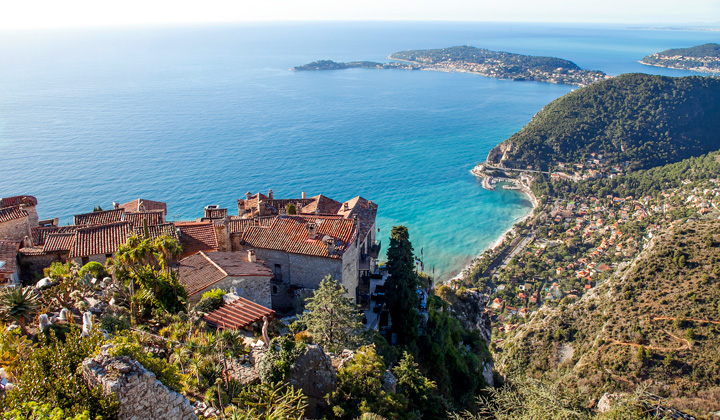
72 13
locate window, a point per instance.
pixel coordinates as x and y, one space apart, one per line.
274 290
278 271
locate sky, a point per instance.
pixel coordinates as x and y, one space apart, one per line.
26 14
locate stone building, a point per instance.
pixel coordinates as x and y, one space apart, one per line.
324 237
9 274
242 273
18 215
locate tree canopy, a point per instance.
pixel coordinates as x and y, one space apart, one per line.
401 287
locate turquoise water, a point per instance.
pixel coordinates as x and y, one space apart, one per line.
200 115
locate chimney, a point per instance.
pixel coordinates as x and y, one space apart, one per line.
178 232
251 256
116 205
302 195
260 208
346 207
270 194
312 231
141 206
330 242
248 195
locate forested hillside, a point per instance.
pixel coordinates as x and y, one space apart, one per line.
634 120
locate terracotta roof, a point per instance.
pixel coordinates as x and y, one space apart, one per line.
323 205
140 205
8 254
33 250
99 240
12 213
241 225
154 217
28 200
56 242
155 231
365 210
100 217
40 234
238 314
200 271
290 234
196 236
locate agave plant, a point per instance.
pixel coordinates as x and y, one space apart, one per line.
18 304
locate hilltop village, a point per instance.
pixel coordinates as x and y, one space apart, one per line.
263 253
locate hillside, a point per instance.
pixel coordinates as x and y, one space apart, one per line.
654 323
705 58
633 120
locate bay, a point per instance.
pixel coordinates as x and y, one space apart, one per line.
199 115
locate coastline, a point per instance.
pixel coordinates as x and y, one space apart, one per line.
712 72
533 200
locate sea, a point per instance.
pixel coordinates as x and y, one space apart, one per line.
201 114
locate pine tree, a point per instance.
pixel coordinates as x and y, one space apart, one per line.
401 287
333 319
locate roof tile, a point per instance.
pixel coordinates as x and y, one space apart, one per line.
238 314
100 217
99 240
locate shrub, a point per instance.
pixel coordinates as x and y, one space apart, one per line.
51 376
279 358
93 269
210 301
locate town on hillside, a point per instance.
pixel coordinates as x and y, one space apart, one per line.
573 242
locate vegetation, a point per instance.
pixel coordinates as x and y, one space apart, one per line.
50 375
210 301
268 401
331 318
18 304
401 287
638 119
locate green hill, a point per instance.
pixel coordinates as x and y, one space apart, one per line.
654 323
640 119
705 50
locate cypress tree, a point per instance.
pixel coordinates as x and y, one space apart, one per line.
401 287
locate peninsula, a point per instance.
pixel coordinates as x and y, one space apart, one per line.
704 58
467 59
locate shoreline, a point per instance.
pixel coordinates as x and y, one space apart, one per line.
533 200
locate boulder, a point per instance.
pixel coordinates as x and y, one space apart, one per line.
314 374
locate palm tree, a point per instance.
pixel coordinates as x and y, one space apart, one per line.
18 304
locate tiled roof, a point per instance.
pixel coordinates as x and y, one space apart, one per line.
56 242
99 240
196 237
199 271
154 217
290 234
12 213
140 205
365 210
40 234
238 314
323 205
33 250
8 254
155 231
28 200
240 225
100 217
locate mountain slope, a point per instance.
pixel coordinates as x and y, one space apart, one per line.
640 119
655 323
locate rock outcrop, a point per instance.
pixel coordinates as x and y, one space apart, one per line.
140 394
313 372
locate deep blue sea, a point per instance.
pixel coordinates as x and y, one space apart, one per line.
199 115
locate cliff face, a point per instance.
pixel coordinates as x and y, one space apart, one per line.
500 152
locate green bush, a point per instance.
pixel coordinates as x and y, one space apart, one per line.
51 376
279 358
94 269
210 301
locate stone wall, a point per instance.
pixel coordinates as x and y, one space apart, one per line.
15 230
140 394
253 288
